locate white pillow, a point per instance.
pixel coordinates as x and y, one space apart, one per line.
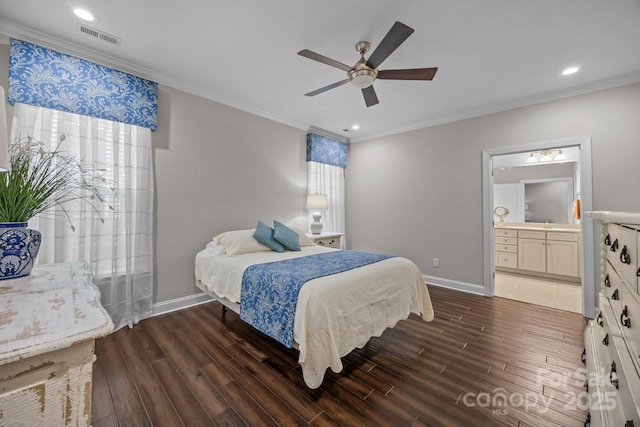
214 248
304 239
239 242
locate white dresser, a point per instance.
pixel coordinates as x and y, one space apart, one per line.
612 340
49 321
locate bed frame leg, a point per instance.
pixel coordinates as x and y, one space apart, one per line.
224 309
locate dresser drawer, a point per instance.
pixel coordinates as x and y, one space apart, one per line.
604 409
608 320
629 318
562 236
607 290
506 240
506 248
628 386
330 242
532 234
499 232
602 333
615 292
622 252
506 259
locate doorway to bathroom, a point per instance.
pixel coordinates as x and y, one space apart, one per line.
539 249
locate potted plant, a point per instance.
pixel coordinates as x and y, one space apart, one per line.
39 179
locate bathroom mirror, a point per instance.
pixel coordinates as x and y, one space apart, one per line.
549 201
538 193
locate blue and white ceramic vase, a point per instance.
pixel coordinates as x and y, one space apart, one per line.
18 249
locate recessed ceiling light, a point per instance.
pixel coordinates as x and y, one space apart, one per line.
83 14
570 70
355 127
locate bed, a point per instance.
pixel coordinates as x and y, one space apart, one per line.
334 314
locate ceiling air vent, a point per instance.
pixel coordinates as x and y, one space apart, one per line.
99 34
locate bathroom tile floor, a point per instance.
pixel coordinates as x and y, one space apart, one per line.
535 290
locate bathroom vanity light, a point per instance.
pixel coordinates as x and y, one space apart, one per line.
546 156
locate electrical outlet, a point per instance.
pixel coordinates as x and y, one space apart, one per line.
436 262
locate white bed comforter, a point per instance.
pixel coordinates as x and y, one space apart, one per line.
334 314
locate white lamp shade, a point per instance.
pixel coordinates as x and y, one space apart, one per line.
317 201
4 138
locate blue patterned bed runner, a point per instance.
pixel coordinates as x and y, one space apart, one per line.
270 290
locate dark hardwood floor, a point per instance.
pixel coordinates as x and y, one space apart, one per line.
480 362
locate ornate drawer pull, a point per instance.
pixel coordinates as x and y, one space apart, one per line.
599 319
625 258
607 281
638 272
625 320
613 375
629 423
583 358
615 296
605 341
607 240
614 246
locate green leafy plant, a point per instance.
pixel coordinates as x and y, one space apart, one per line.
40 179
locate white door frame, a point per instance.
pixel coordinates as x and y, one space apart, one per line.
586 223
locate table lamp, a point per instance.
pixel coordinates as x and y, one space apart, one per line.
317 202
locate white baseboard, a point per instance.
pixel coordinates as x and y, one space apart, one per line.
471 288
165 307
180 303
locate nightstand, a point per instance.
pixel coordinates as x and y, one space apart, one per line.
328 239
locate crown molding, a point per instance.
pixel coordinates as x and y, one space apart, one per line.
523 102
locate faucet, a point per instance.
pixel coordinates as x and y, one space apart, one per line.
547 225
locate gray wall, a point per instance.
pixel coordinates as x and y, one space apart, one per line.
218 169
427 183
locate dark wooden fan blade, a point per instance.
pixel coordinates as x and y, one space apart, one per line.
370 97
326 88
394 38
408 74
317 57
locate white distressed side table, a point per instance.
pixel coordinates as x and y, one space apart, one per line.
49 322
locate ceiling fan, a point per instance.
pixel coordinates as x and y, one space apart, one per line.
365 72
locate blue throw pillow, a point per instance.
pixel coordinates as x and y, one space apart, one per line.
264 235
288 237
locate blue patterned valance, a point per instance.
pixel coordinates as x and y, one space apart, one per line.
321 149
46 78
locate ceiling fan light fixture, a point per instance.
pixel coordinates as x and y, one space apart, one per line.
365 72
362 78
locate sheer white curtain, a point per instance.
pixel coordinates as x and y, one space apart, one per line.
116 241
329 180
